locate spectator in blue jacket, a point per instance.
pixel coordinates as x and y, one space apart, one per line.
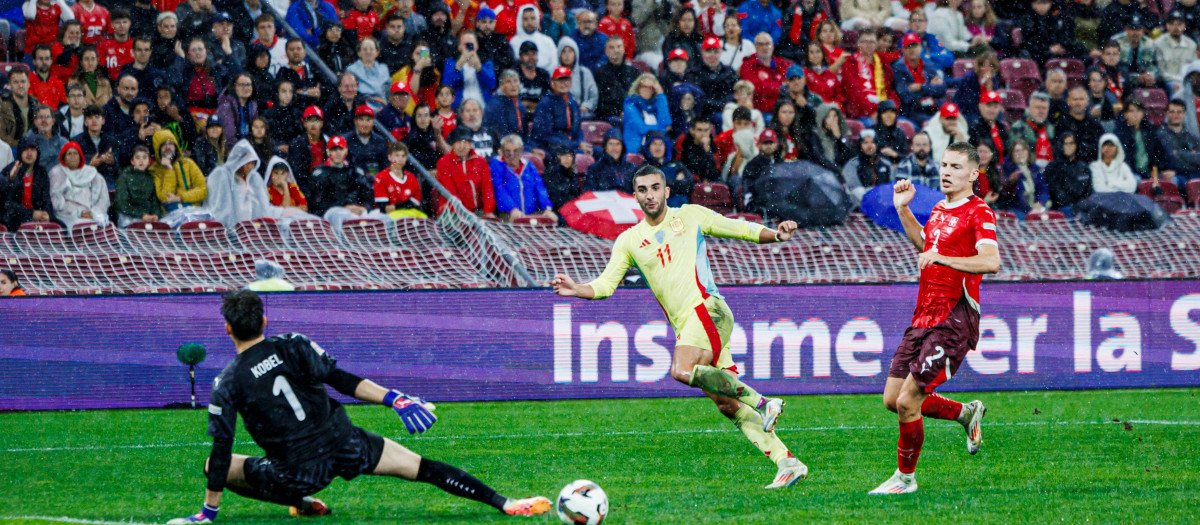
919 83
556 119
931 49
591 42
761 16
519 188
308 16
646 109
611 171
470 77
506 114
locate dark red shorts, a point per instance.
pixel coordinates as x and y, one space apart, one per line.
932 355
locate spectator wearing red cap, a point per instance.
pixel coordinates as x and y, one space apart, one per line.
557 118
645 110
307 150
395 116
989 127
366 147
676 70
949 127
867 80
468 74
467 175
714 78
766 72
684 34
919 83
339 189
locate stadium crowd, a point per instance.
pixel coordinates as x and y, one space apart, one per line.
126 111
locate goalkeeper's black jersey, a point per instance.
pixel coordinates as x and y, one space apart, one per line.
278 388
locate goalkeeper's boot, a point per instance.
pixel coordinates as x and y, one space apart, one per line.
527 507
311 507
770 412
791 470
972 419
899 483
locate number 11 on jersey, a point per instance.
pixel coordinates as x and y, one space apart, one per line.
664 254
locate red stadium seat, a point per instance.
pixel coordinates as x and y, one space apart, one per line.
148 226
1152 98
1193 192
594 130
635 158
1014 104
713 195
258 235
583 161
1049 215
962 66
537 162
18 42
748 217
203 235
1016 36
641 66
311 234
855 126
535 220
1170 204
93 238
1018 68
907 127
1072 67
1169 189
366 233
40 226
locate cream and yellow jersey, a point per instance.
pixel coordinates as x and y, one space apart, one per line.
673 258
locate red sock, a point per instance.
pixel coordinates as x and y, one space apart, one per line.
908 448
938 407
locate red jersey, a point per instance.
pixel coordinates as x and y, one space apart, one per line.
469 18
955 229
396 191
767 80
825 85
114 55
506 15
449 122
362 23
96 23
293 191
621 27
50 91
859 82
43 29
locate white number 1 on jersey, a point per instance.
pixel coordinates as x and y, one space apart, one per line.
281 385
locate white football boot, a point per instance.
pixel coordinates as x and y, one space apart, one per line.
972 419
899 483
791 470
770 413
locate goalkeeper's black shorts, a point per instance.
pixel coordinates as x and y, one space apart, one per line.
360 455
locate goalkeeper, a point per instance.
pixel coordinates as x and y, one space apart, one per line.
277 384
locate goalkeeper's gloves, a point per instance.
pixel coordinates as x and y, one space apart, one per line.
411 410
207 514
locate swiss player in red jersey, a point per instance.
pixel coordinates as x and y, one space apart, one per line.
958 245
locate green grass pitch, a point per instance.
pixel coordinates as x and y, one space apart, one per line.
1047 457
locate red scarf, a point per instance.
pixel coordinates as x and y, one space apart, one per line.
1042 149
517 104
918 72
1117 88
567 103
999 142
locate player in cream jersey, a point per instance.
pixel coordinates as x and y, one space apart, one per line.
669 249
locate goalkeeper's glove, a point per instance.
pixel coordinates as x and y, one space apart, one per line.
207 514
411 410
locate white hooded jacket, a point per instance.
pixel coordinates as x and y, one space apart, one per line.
1114 176
547 50
939 140
76 191
232 199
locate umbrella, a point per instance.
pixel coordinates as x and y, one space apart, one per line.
803 192
1124 212
877 205
602 213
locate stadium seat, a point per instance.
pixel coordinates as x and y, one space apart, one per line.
93 238
18 41
41 238
149 226
594 130
641 66
949 95
535 220
537 162
635 158
713 195
1016 37
1014 104
583 161
962 66
204 235
1193 192
366 233
1169 204
855 126
1072 67
907 127
1156 104
311 234
6 67
850 40
748 217
258 235
1146 188
1021 75
1048 215
40 226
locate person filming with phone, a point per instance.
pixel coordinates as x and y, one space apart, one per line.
469 76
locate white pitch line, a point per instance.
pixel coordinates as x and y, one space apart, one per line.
622 433
63 519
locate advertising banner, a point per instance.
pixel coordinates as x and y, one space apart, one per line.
119 351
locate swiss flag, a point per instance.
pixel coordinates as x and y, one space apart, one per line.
603 213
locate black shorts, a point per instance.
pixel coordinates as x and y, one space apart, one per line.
932 355
360 455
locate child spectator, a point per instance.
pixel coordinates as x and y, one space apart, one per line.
398 191
282 188
136 198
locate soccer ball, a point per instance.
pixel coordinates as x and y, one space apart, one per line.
582 503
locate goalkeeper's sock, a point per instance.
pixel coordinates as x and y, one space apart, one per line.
750 423
290 500
458 482
938 406
715 381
